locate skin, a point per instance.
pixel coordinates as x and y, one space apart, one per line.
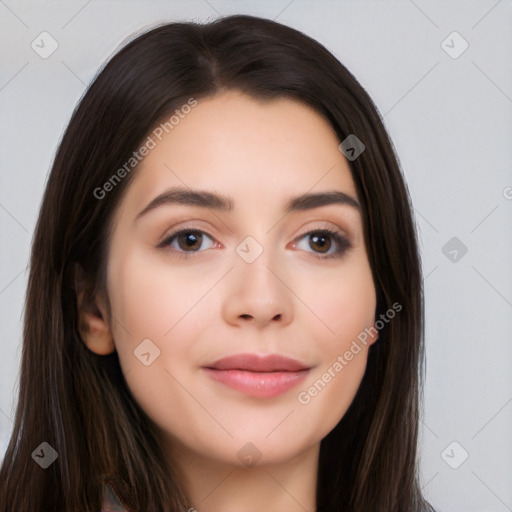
213 304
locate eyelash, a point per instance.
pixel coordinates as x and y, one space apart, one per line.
343 244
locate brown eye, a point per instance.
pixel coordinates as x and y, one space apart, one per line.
190 240
322 242
186 241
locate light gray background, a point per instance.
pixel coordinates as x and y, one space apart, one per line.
450 120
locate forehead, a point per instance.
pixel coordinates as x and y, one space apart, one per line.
258 152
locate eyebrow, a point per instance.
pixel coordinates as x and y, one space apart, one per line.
224 203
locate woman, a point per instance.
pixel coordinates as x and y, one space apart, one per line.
225 307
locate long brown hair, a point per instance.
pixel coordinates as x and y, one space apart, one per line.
78 402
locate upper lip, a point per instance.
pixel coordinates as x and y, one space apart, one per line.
258 363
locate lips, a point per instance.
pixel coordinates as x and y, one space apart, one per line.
258 363
258 376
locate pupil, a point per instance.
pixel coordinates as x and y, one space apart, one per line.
321 240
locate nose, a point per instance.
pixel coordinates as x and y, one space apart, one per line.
257 293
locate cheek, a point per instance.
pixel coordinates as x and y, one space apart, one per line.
151 300
341 306
344 307
169 305
157 318
326 396
324 400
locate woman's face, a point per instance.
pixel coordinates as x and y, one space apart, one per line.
254 278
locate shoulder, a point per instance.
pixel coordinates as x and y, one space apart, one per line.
111 502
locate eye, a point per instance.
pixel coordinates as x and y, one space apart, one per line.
186 240
325 243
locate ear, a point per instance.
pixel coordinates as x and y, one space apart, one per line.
92 318
373 334
373 337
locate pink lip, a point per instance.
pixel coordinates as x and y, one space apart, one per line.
258 384
259 376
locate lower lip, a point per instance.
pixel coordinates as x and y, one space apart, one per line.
258 384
